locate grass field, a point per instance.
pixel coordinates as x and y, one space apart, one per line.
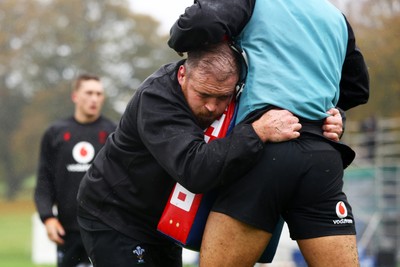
16 233
16 228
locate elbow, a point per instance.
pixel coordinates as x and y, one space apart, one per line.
198 184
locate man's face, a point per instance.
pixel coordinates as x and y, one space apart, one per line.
207 97
89 98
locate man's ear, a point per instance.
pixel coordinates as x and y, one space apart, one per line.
181 74
73 97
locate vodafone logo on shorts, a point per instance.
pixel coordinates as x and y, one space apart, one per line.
341 210
83 152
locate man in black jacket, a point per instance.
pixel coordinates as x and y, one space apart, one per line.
67 150
160 141
302 56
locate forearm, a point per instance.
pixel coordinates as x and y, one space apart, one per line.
201 166
354 84
208 21
44 198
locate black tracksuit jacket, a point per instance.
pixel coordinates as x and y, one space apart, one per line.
157 144
66 152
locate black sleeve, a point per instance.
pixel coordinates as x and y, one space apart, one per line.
208 21
169 131
354 84
45 192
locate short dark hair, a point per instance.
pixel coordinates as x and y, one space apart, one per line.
217 59
84 77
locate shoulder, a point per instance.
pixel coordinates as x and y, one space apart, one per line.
108 123
165 74
59 128
158 95
160 86
61 124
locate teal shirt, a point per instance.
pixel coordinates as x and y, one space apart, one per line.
295 51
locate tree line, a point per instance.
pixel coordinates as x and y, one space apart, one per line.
44 45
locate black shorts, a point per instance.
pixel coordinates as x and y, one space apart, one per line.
107 247
72 252
300 180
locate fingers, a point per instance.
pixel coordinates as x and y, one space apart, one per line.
333 112
55 231
332 136
333 125
281 125
277 126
